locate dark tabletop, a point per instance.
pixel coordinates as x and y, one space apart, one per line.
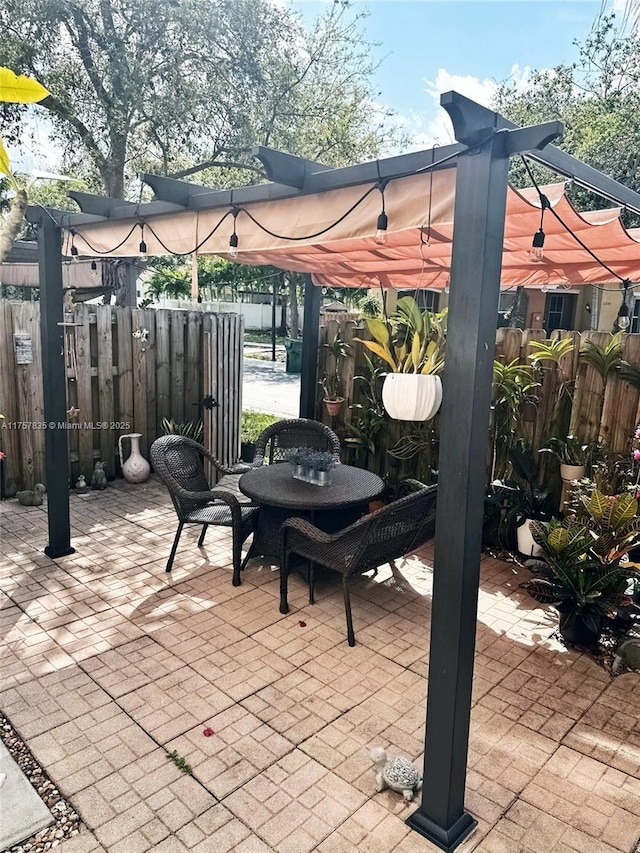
274 485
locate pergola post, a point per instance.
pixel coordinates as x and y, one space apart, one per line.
479 216
54 382
310 333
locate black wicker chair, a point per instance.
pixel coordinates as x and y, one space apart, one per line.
274 441
377 538
178 461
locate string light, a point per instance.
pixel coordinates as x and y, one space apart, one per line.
383 221
94 269
74 248
624 321
233 240
536 253
143 245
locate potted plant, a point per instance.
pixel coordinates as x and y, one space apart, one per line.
332 382
412 344
321 463
251 426
571 452
581 572
526 501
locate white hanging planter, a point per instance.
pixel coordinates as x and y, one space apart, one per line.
412 396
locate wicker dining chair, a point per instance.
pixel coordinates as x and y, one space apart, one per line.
375 539
274 441
178 461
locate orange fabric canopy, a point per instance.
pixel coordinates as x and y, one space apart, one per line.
417 252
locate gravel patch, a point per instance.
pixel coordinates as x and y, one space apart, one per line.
66 820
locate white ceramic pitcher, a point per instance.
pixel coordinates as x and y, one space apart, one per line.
136 469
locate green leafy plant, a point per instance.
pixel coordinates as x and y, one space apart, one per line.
180 762
574 578
332 383
604 359
570 450
512 386
189 429
411 341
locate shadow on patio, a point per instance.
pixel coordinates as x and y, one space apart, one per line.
108 664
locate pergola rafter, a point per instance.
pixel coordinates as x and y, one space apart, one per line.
487 141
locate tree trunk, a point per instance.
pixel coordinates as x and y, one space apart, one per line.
13 223
294 330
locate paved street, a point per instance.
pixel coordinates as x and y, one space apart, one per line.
267 387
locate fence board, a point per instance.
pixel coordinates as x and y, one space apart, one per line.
193 367
149 347
105 388
83 390
10 442
139 373
163 368
125 370
30 400
177 365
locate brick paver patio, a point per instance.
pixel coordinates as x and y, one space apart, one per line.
107 664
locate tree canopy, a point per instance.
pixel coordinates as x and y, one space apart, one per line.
598 99
178 86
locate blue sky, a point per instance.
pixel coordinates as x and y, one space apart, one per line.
430 46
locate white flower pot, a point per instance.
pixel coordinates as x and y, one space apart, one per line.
571 472
136 469
526 543
411 396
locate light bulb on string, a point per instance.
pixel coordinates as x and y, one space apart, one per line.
74 249
536 253
94 269
233 245
142 248
623 319
383 222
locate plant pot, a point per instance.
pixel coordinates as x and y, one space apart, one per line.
529 411
527 546
411 396
321 478
247 451
571 472
575 631
333 406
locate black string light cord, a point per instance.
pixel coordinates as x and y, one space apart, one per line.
234 211
545 205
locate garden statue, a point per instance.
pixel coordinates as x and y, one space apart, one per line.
99 478
81 485
31 497
398 774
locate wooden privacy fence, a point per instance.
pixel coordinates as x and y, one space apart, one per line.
127 369
609 410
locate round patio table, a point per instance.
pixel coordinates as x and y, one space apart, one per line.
279 496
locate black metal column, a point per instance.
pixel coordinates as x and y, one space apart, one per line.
310 332
481 187
54 383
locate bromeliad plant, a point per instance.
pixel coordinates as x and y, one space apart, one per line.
570 451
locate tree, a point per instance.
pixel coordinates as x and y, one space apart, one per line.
178 86
598 99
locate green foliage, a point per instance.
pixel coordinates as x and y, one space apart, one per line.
187 88
411 341
180 762
513 384
550 350
189 429
597 98
253 423
604 359
570 450
332 383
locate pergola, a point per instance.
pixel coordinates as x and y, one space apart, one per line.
451 221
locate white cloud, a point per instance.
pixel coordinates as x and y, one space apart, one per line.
37 150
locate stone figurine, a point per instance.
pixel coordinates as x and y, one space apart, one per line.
31 497
81 485
99 478
398 774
